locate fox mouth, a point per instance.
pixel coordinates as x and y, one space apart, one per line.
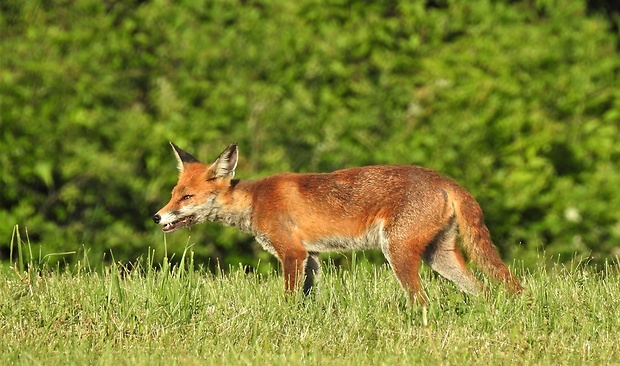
178 224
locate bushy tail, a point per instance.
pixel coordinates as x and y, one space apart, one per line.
477 241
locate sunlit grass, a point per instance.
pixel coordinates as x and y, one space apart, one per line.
357 316
182 314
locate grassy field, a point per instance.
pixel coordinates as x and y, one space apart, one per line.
185 315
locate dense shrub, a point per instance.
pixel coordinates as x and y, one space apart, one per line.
518 101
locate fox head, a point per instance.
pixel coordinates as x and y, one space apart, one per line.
200 192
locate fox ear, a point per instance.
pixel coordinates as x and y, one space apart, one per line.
225 164
182 157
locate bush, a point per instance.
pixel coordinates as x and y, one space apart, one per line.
517 101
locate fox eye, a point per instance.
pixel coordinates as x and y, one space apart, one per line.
186 197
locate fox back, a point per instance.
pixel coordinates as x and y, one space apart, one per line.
411 213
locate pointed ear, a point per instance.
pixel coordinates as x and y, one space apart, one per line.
225 164
182 157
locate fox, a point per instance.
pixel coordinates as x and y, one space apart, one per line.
412 214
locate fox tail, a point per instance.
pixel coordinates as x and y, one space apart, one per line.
476 241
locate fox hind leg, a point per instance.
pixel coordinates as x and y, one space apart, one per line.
405 265
444 257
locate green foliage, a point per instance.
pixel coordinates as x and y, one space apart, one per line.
516 100
186 316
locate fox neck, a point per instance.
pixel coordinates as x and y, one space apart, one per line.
234 208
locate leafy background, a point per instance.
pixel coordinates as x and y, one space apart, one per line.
519 101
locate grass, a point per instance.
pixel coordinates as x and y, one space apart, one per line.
173 315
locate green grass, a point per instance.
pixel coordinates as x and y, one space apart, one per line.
186 316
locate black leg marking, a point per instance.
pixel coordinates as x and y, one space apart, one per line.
311 272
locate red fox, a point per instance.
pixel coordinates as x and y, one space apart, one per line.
409 212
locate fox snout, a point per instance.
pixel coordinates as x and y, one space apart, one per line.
156 218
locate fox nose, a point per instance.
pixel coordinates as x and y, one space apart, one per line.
156 218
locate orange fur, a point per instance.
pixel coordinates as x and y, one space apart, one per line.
410 213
